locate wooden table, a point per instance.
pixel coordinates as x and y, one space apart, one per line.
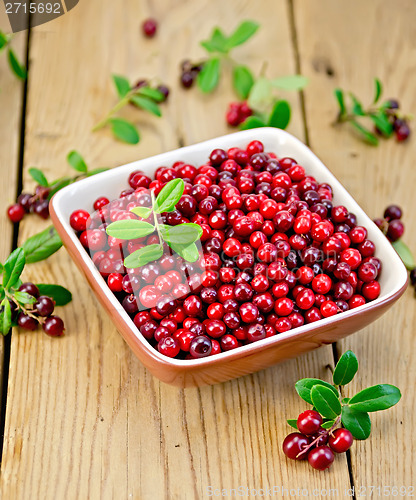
83 418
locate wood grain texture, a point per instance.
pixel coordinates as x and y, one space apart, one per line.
11 100
347 47
84 418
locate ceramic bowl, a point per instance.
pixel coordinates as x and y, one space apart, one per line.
261 354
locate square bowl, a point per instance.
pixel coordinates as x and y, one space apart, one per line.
251 357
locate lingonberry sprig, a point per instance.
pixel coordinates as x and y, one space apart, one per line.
385 117
5 44
318 435
25 304
393 227
181 238
208 72
38 202
140 95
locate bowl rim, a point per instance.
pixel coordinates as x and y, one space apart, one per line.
110 302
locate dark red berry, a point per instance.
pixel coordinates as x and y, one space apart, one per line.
53 326
321 458
26 322
44 306
29 288
149 27
309 422
340 440
16 213
294 444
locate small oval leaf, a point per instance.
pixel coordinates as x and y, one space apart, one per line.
357 422
5 317
122 85
129 229
252 122
143 256
42 245
293 423
182 234
325 401
189 252
280 115
169 196
13 267
243 81
58 293
339 96
405 254
346 368
38 176
291 82
375 398
143 212
124 130
243 32
146 104
76 161
154 94
209 76
18 69
304 386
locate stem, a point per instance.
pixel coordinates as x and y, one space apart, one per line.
28 312
114 110
152 194
326 433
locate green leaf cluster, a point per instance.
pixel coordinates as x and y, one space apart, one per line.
17 67
353 412
181 238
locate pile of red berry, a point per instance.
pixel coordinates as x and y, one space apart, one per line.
276 254
40 313
237 113
36 203
316 443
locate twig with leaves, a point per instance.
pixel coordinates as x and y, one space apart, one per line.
5 44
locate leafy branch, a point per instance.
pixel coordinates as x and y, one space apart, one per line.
18 69
181 238
145 98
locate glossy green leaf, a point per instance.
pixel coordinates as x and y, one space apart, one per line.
38 176
217 42
209 76
1 268
24 298
292 82
382 122
188 252
77 162
280 115
143 212
328 424
252 122
58 293
304 386
169 196
365 134
5 317
122 85
182 234
376 398
13 267
345 369
405 254
42 245
143 256
243 81
293 423
339 95
325 401
150 93
243 32
146 104
4 40
357 107
357 422
378 89
18 69
129 229
124 130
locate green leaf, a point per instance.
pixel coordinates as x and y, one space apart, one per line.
280 115
189 252
56 186
345 401
24 298
346 368
328 424
77 162
141 211
42 245
216 43
97 171
304 386
293 423
365 134
252 122
260 97
292 82
4 40
17 68
245 31
243 81
154 94
143 256
129 229
146 104
209 76
122 85
339 95
375 398
325 401
1 268
405 254
378 89
169 196
182 234
38 176
357 422
124 130
382 122
357 107
5 317
58 293
13 267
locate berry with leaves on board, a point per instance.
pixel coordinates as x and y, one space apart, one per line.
320 434
386 118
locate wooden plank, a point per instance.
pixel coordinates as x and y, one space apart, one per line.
11 100
363 40
84 418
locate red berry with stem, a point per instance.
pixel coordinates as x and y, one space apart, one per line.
321 458
53 326
309 422
340 440
294 444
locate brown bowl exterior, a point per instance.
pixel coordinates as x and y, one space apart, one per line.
238 362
